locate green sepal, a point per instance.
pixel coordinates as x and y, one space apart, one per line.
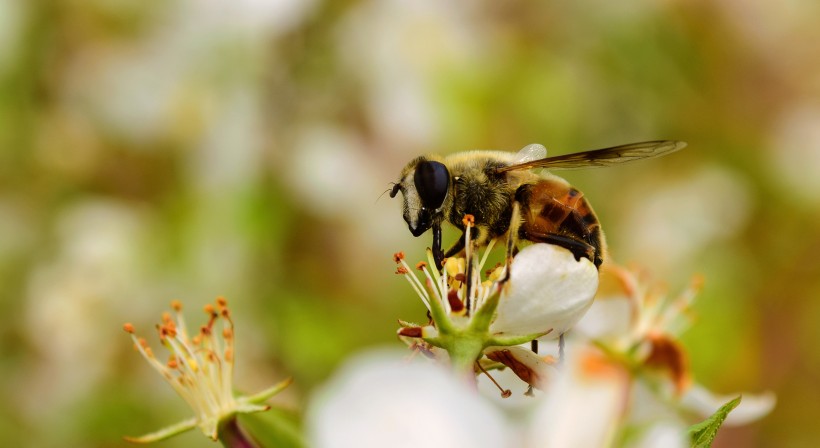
702 434
164 433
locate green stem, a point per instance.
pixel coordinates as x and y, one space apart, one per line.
464 351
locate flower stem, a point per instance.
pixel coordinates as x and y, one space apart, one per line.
233 436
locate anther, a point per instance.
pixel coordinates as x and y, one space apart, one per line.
455 303
176 305
468 221
410 332
421 265
398 257
128 328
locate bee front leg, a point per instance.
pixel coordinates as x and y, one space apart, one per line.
438 255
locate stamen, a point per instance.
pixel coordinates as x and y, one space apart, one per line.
398 257
505 393
456 305
129 328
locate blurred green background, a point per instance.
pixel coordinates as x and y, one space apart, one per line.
186 149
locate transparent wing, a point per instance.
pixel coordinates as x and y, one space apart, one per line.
530 153
602 157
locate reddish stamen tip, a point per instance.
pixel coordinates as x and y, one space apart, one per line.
176 305
455 303
410 332
421 265
209 309
401 270
398 257
469 220
128 328
221 302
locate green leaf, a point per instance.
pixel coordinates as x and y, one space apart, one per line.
702 434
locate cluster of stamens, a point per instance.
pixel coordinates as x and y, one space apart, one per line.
199 368
458 286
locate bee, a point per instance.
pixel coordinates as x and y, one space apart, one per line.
509 198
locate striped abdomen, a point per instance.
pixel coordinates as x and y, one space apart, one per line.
554 212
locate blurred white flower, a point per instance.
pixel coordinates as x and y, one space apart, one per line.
638 323
674 222
794 152
583 402
418 40
382 400
98 258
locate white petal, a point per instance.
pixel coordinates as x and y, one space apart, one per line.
380 399
751 407
582 403
548 289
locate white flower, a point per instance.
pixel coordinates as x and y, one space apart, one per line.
548 289
382 400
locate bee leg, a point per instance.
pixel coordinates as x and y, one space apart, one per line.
515 223
457 247
438 255
578 248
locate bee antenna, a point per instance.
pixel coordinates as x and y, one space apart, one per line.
391 187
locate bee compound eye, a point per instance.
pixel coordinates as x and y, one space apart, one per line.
432 180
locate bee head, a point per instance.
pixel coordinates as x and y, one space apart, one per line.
424 185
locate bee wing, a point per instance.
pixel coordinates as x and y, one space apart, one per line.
601 157
530 153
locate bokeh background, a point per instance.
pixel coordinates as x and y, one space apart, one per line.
185 149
